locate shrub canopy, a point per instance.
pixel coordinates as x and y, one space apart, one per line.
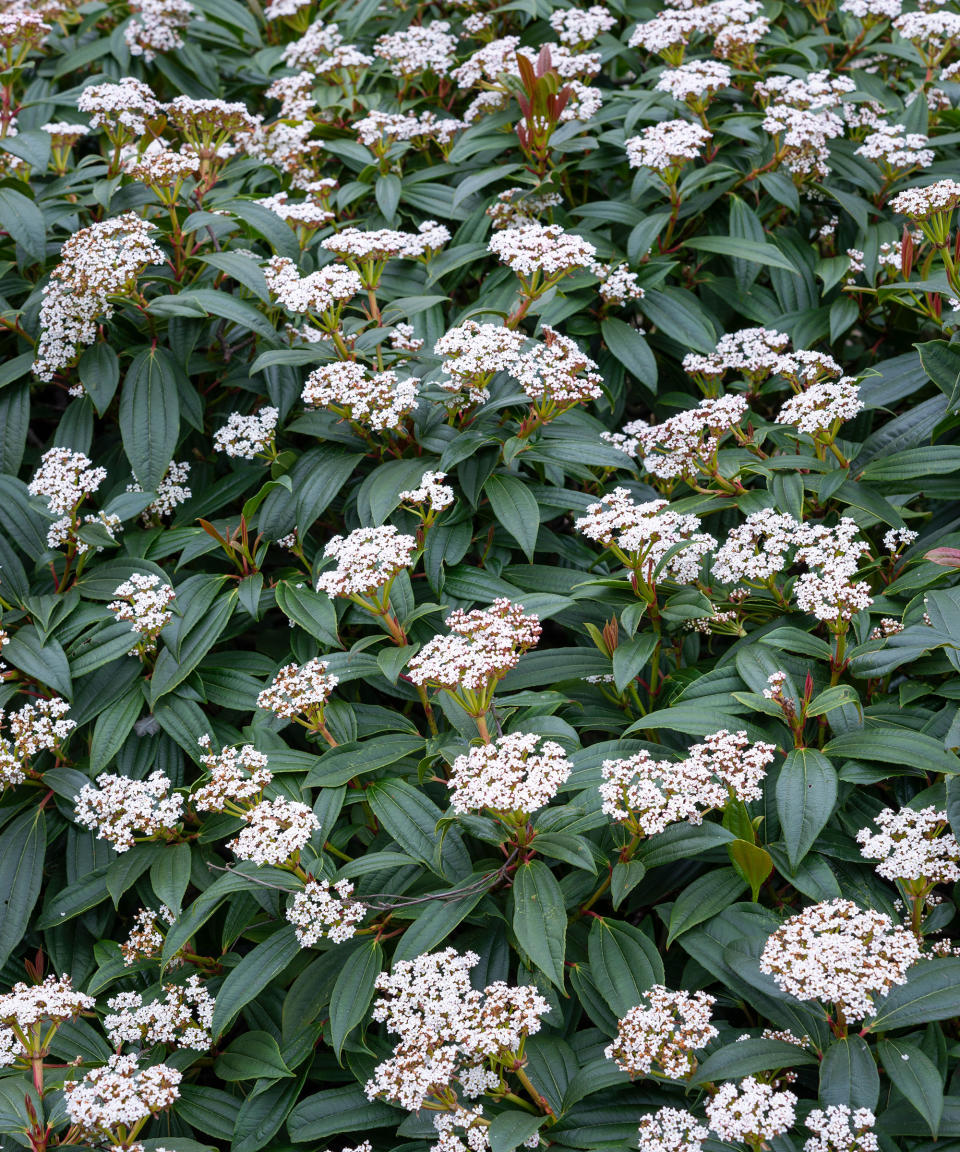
478 560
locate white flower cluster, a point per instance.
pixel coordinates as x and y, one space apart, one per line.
508 776
204 120
474 353
419 48
299 691
237 775
122 108
145 941
671 1130
35 727
617 283
555 374
832 555
649 794
97 263
325 910
897 538
485 644
381 129
912 845
275 831
838 1128
119 1095
119 807
751 1112
446 1027
245 437
156 26
665 146
181 1019
26 1006
516 206
367 559
922 203
663 1032
896 149
160 166
838 953
753 352
579 27
822 407
669 32
307 213
375 400
431 491
695 83
685 444
353 244
143 602
643 534
325 290
172 491
64 479
541 253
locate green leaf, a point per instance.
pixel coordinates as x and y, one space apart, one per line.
747 1057
149 415
353 992
75 899
441 917
624 877
752 251
263 1113
44 661
250 1057
112 727
629 658
313 611
170 875
915 1075
681 317
806 796
171 670
913 462
516 509
22 849
752 862
509 1130
848 1075
894 746
932 992
631 349
703 899
342 764
254 972
411 818
540 919
624 964
336 1110
941 362
23 220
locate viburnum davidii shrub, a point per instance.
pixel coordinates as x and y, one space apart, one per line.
480 575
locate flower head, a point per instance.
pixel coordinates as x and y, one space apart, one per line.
840 954
509 775
663 1033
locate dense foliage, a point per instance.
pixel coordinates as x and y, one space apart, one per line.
479 570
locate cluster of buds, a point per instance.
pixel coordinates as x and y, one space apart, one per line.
35 727
468 664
